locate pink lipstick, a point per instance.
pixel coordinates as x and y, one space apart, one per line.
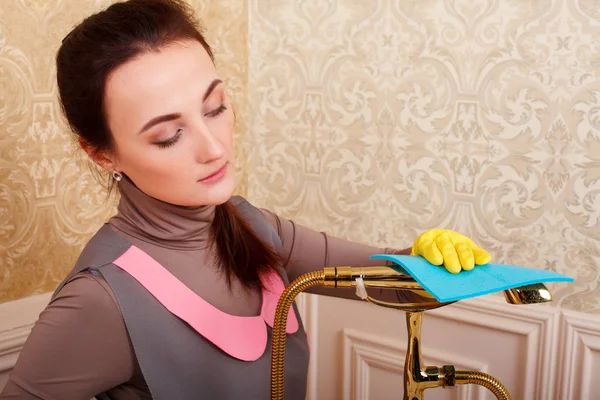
216 176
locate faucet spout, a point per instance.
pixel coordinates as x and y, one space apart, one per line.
530 294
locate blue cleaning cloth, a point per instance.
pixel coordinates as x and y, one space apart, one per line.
481 280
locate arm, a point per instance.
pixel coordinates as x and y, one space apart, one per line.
306 250
78 348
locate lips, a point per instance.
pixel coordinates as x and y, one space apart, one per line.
215 176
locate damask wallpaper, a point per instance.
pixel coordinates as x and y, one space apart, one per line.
376 120
371 120
50 203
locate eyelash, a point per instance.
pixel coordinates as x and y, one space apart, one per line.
170 142
217 112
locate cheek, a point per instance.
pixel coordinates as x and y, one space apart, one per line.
143 160
226 127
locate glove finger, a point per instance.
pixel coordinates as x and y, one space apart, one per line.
465 255
456 237
451 261
432 233
429 250
481 256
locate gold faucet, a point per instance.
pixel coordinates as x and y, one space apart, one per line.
417 376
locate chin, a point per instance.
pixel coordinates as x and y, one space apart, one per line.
216 195
215 200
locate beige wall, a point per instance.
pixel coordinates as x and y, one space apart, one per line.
376 120
49 203
373 120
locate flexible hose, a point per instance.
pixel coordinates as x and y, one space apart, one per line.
279 335
483 379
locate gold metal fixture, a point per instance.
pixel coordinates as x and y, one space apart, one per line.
417 377
530 294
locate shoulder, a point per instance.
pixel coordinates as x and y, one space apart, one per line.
246 207
247 210
84 293
242 204
103 248
265 223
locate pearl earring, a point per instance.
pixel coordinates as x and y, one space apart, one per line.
117 176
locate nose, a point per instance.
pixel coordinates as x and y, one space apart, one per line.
209 147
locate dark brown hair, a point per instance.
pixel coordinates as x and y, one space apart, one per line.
112 37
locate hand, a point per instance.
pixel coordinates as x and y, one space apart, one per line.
452 249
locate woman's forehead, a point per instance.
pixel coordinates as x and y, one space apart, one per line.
172 64
160 81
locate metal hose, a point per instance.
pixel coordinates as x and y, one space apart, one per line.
483 379
279 334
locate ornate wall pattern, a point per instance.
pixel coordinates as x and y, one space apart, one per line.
376 120
49 202
371 120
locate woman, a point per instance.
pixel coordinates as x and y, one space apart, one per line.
174 297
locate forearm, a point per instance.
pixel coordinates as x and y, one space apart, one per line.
306 250
337 252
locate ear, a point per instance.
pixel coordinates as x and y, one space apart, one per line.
101 158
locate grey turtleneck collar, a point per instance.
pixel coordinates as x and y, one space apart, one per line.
162 224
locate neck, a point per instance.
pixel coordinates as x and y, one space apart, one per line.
163 224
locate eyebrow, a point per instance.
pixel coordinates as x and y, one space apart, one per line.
170 117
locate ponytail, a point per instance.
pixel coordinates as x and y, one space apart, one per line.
241 253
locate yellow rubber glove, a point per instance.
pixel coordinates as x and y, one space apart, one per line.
452 249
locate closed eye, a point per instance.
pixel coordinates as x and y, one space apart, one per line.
169 142
175 138
216 112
